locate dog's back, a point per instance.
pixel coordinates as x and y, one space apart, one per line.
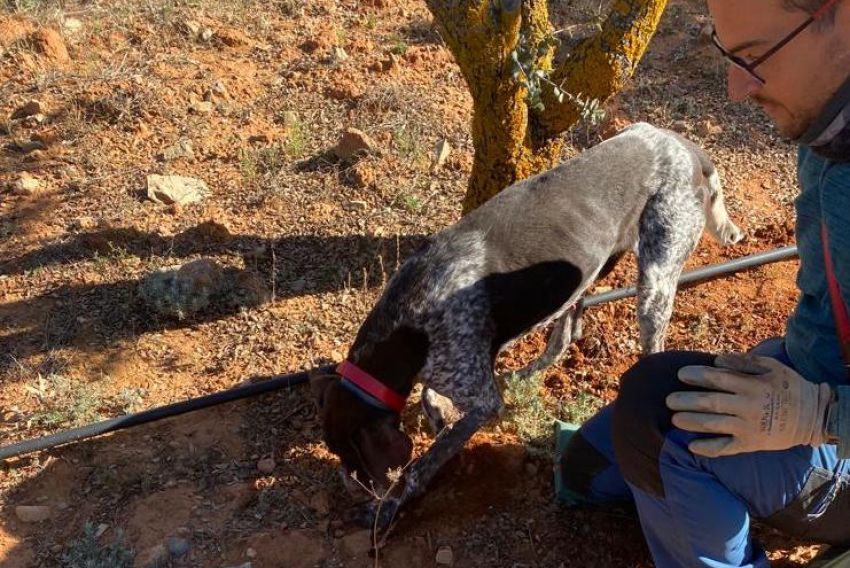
539 243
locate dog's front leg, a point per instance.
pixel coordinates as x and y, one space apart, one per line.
448 443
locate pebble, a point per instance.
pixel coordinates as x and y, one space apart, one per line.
26 184
33 513
266 465
178 546
31 108
445 556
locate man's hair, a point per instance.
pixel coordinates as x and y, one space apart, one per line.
812 6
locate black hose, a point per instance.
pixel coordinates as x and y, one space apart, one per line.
175 409
704 273
284 381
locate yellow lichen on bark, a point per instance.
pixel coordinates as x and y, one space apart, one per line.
511 142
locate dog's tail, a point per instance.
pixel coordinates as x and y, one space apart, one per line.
717 220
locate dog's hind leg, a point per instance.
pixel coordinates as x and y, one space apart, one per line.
670 227
717 218
565 330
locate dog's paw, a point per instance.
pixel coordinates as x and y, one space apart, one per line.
730 234
376 514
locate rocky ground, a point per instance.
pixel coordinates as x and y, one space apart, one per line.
321 141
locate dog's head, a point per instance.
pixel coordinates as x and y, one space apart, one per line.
368 441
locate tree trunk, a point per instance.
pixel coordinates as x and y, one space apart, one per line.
511 140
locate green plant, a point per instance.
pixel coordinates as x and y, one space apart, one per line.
526 412
524 69
397 45
61 404
88 553
254 163
580 409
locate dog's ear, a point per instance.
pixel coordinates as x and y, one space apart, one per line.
320 382
384 447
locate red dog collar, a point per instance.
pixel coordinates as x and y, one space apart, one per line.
372 386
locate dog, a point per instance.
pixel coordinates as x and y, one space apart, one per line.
521 261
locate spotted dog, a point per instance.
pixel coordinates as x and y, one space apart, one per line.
522 260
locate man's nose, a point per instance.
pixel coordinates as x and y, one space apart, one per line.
741 84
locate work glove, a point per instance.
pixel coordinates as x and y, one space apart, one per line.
754 403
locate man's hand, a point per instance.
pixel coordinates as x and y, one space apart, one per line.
754 404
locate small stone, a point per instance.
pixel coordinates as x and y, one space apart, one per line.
49 43
101 528
154 557
340 54
705 34
178 546
33 513
201 107
353 143
219 89
176 189
31 108
357 543
707 128
206 34
246 565
320 503
266 465
26 184
357 205
445 556
262 138
182 149
251 553
441 153
72 25
681 127
191 28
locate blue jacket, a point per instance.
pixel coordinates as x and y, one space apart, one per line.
811 339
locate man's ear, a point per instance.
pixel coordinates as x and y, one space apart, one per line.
320 382
384 447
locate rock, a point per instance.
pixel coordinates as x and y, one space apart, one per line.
84 223
183 292
681 126
101 529
355 205
705 34
176 189
362 175
706 128
357 543
246 565
441 153
72 25
320 503
339 54
191 28
232 38
201 107
178 546
445 556
266 465
206 34
33 513
262 138
219 89
353 143
251 553
182 149
153 557
49 43
26 184
31 108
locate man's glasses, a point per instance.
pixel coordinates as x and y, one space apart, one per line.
750 66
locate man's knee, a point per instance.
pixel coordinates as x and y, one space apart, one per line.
641 418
